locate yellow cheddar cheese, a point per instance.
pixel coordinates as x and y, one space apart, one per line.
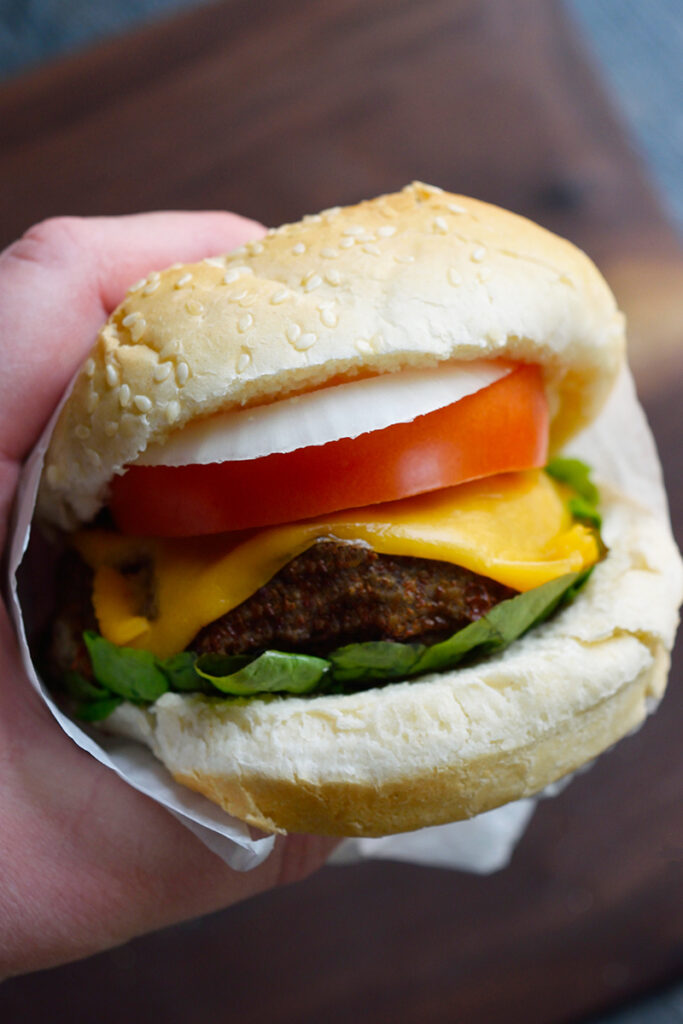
514 528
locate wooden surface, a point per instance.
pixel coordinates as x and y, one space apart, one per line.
276 109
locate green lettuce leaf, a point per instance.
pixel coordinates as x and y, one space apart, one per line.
80 688
585 512
270 672
97 710
181 675
583 505
128 673
374 660
576 474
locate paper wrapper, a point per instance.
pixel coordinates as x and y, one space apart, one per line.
620 448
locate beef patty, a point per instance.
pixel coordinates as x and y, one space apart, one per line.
336 593
332 594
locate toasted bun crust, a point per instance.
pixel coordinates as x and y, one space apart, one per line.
450 745
403 280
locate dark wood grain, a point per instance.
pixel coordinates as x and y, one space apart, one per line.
295 108
279 108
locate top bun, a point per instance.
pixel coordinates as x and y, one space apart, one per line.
403 280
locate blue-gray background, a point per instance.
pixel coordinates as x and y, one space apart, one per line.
638 45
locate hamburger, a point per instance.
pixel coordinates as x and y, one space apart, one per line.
324 554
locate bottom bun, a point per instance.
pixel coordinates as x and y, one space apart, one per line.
450 745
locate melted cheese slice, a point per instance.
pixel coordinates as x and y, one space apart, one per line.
514 528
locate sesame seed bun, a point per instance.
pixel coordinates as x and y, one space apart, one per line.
403 280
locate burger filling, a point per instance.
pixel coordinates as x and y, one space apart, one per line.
343 603
328 568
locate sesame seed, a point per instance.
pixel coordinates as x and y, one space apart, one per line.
404 259
248 299
293 331
484 274
176 266
329 254
82 432
137 286
138 329
89 368
91 401
142 403
232 275
111 375
243 360
162 371
111 428
354 229
124 396
151 286
440 225
372 250
172 412
305 341
299 248
129 320
333 276
314 281
329 317
279 296
332 211
479 254
386 231
346 243
363 346
312 218
215 261
455 208
93 457
185 279
454 277
256 248
53 475
245 322
194 308
238 296
182 373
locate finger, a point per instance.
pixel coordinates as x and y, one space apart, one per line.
60 281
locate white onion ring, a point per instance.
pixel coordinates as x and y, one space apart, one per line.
318 417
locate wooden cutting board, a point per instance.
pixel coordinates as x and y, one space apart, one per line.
280 108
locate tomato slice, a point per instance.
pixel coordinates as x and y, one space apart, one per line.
502 428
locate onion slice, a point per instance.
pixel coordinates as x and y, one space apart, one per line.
329 414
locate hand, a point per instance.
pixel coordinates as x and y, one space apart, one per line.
86 862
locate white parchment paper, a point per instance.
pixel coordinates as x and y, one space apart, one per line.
621 449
